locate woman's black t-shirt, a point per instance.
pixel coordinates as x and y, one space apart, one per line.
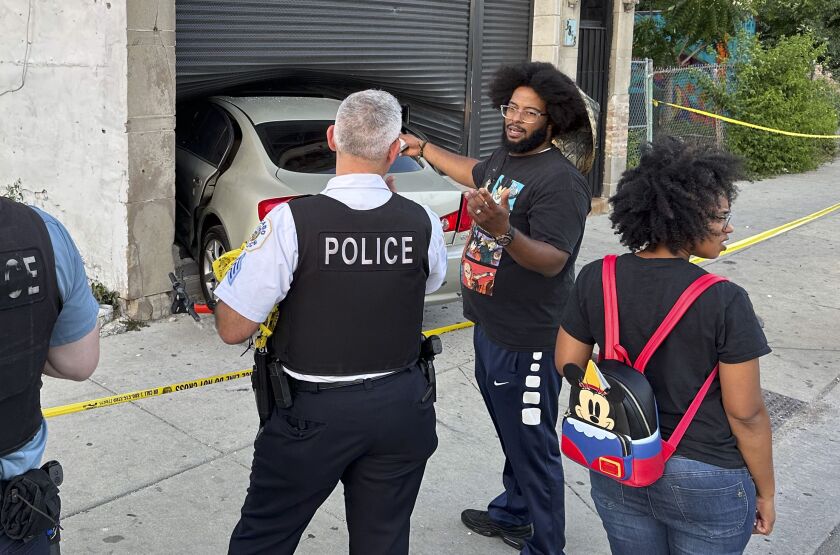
720 326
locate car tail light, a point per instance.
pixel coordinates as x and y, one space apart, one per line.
449 222
459 220
265 206
464 220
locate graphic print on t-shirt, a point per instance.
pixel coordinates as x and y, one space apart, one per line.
477 277
506 183
482 254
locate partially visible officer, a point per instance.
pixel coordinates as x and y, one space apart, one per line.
48 325
529 204
350 268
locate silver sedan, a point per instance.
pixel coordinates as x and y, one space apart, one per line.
238 157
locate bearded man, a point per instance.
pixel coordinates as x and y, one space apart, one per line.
529 205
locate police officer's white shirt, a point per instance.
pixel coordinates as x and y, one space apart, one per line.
262 275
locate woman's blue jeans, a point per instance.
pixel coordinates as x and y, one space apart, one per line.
694 508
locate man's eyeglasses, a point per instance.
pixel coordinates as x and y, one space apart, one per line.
528 115
725 218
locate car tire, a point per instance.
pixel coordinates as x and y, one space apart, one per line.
214 243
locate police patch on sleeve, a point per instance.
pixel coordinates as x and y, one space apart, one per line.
258 237
235 268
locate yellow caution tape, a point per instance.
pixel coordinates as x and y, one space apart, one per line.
221 266
763 236
183 386
746 124
447 329
267 328
143 394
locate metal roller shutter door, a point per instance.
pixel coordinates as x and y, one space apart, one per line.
417 50
506 39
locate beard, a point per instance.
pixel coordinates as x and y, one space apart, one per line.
528 143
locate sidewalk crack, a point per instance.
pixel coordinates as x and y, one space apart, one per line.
469 381
584 501
147 485
160 418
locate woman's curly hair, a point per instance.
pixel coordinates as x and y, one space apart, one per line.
566 110
672 195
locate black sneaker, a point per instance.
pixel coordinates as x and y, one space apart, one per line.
480 523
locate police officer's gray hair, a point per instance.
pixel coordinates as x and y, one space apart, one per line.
367 123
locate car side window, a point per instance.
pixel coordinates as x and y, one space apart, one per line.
186 128
215 137
204 130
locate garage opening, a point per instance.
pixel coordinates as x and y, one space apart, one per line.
242 142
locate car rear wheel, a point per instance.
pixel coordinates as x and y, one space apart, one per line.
214 244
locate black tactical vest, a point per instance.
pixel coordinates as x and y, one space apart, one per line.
29 306
356 301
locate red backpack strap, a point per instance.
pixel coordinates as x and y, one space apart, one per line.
697 288
671 445
683 303
610 308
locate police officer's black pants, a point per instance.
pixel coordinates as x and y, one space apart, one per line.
375 438
39 545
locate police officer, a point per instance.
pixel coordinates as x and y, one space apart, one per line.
350 268
48 325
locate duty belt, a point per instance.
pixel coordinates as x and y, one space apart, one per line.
314 387
273 387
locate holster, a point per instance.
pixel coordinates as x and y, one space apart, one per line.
429 348
261 384
280 385
270 384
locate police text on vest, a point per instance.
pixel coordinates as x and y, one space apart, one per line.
363 251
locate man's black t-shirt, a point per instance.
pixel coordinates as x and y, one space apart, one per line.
720 326
549 200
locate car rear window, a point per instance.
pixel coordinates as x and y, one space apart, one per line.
301 146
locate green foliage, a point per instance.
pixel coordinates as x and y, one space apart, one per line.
134 325
774 88
103 295
819 18
685 27
13 191
635 138
832 93
649 41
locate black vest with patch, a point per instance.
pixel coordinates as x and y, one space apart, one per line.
356 301
29 307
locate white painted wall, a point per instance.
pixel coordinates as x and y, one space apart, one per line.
63 133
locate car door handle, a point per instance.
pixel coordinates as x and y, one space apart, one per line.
196 180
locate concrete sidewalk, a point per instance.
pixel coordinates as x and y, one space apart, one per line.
168 474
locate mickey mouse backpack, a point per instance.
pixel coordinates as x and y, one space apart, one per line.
611 425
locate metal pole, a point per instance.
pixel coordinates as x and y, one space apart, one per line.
471 138
649 99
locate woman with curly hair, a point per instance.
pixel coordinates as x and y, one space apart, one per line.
718 488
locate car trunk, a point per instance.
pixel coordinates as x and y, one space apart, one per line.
424 186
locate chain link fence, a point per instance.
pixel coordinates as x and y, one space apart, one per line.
650 116
688 86
638 121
